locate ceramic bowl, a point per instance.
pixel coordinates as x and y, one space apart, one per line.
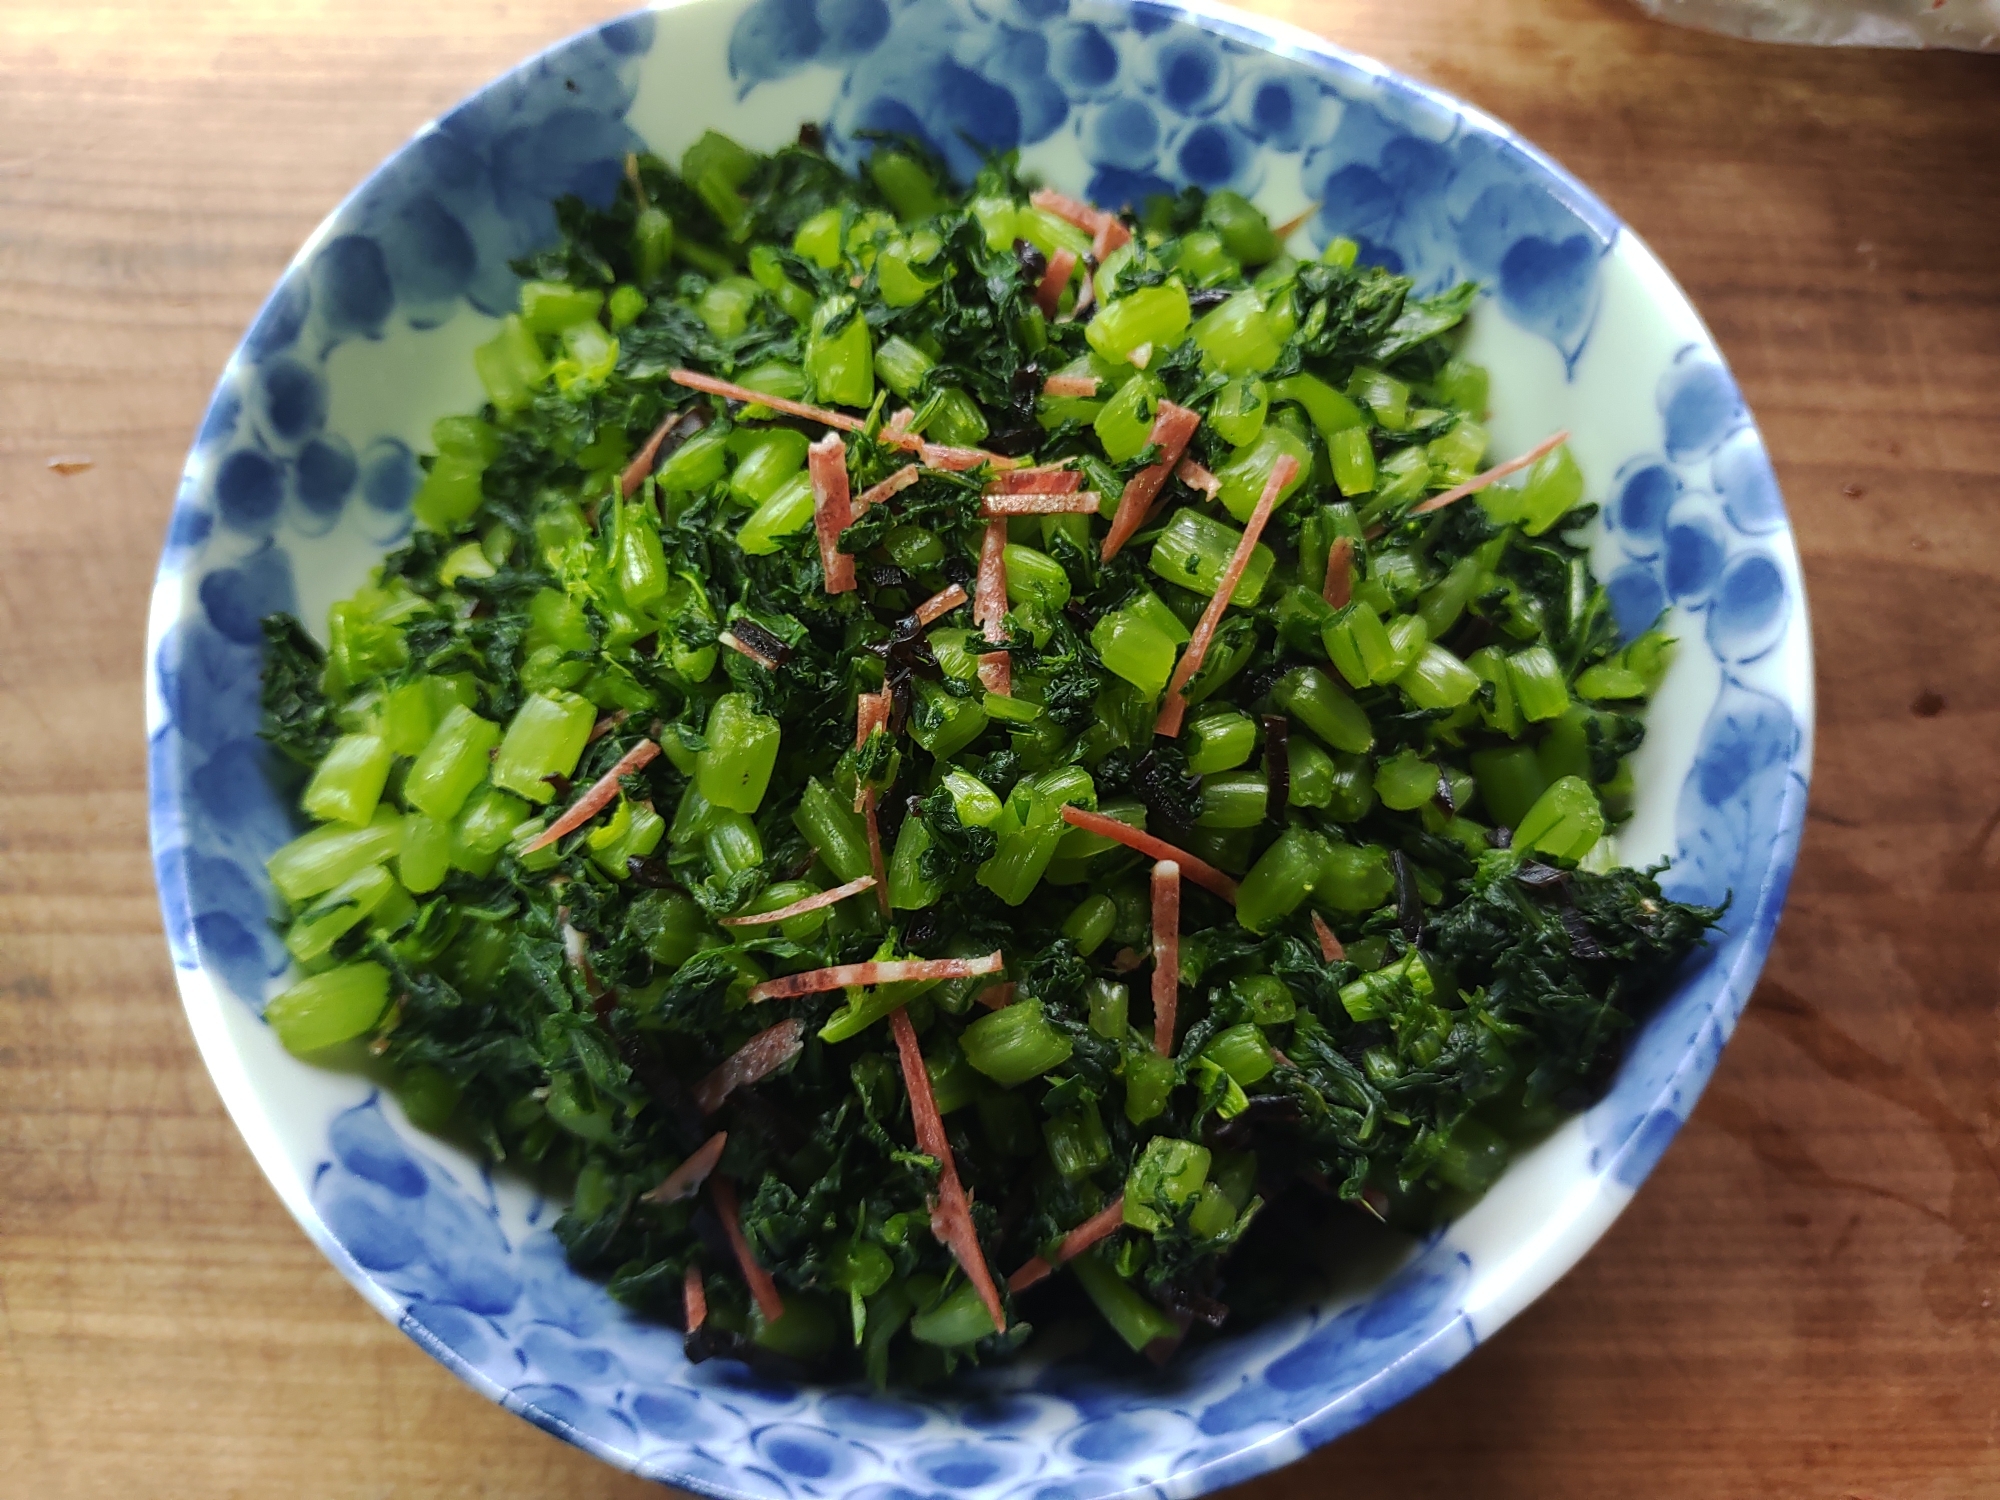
301 477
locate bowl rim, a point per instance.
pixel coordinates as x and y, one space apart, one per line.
213 1020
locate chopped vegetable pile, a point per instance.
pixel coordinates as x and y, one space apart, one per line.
930 754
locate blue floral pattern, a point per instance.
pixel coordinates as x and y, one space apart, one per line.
504 1310
434 230
1155 105
288 492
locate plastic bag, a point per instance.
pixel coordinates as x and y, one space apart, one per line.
1969 25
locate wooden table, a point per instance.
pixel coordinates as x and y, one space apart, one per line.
1801 1302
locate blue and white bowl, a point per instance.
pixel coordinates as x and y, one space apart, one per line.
301 478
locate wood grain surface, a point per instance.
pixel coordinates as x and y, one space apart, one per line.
1802 1301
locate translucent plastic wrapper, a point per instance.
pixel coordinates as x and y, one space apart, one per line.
1970 25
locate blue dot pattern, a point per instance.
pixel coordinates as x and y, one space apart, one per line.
1156 105
1154 101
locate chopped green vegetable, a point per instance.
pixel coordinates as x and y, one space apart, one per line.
597 850
329 1008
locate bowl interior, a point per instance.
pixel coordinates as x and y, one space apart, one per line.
301 477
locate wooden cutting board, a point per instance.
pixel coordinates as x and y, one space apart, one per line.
1803 1299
